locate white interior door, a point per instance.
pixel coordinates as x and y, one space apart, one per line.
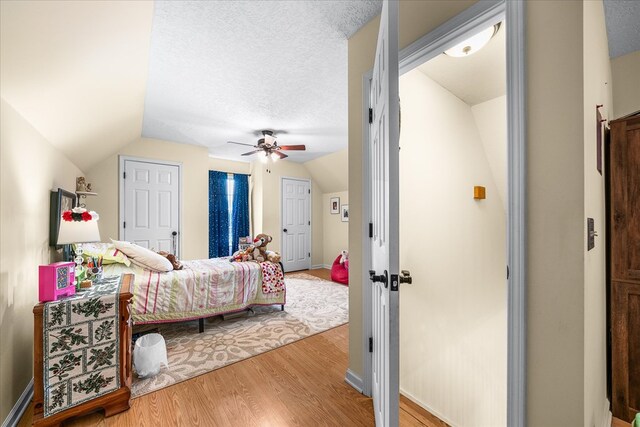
384 147
151 205
296 224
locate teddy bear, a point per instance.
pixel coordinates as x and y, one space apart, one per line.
260 243
243 255
273 256
177 265
344 259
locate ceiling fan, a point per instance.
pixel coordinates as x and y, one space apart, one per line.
269 146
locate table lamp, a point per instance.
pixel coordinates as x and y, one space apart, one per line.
78 226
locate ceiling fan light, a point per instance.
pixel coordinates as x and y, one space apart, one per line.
274 157
264 158
473 43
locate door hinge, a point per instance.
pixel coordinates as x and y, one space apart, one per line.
309 254
124 224
309 191
507 272
124 175
370 115
371 230
370 344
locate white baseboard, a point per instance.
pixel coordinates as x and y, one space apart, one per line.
21 405
354 381
426 407
607 419
318 266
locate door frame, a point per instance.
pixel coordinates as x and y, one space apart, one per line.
121 160
282 210
479 15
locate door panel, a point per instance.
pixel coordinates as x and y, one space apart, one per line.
296 220
151 205
383 154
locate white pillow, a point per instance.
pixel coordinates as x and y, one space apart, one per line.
143 257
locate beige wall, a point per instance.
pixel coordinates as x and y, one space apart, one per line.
267 192
453 317
30 168
555 198
626 84
597 91
335 233
195 191
331 172
229 166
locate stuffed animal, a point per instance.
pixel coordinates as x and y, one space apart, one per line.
260 251
344 259
274 257
177 265
243 255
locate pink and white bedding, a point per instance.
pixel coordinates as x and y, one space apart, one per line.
202 288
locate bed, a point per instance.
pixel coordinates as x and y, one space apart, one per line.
203 288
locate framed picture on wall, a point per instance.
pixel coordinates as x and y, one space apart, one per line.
334 205
61 201
344 215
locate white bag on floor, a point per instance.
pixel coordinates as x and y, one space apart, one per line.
149 353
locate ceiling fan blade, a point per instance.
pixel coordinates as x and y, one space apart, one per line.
240 143
251 152
292 147
279 154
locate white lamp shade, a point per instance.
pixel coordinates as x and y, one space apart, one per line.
78 232
472 44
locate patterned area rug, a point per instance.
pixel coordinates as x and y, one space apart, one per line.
313 305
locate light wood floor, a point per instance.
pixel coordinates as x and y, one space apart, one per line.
300 384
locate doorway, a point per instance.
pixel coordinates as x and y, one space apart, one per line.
453 317
296 224
459 28
150 203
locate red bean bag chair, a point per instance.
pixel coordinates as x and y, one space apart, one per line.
340 272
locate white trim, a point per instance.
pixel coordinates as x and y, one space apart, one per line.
517 221
13 418
480 15
121 160
310 194
319 266
353 380
607 420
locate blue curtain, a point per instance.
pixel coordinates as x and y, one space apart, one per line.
240 209
218 215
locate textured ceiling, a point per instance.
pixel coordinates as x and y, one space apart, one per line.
476 78
222 70
623 26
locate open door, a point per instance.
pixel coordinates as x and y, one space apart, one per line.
384 157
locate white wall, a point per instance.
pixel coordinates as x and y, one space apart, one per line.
491 120
30 168
335 233
626 84
453 320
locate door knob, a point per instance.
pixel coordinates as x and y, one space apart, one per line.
382 278
285 230
405 277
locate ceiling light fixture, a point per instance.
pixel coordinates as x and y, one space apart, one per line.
274 157
473 43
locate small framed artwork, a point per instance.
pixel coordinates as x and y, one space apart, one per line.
334 205
344 214
61 201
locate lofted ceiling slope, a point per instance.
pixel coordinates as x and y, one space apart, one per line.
77 71
223 70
